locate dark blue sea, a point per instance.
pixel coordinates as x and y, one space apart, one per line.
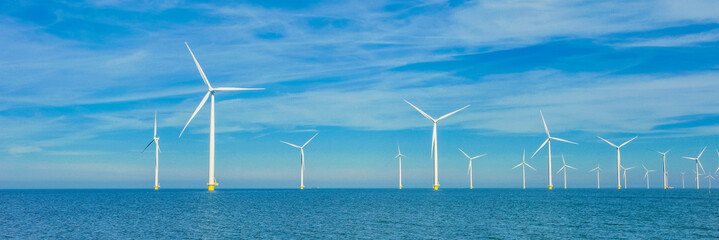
359 214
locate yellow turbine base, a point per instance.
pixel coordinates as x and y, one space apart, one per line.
524 187
470 187
665 187
436 187
302 187
619 187
156 187
550 187
210 187
400 187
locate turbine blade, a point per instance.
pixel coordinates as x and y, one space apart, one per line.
527 164
158 146
195 113
690 158
308 141
420 110
460 151
563 162
560 170
450 114
154 135
236 89
540 147
290 144
202 73
700 154
571 167
559 139
517 165
479 156
702 167
545 123
148 145
610 143
645 168
625 143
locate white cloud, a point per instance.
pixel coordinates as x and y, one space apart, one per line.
23 149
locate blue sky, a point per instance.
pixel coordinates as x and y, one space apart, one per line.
82 81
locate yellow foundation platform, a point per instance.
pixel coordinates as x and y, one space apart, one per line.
211 186
302 187
619 187
436 187
400 187
156 187
550 187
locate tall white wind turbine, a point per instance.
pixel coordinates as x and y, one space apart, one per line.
664 168
302 159
619 159
469 169
523 164
155 140
625 174
698 164
212 182
597 169
564 168
710 178
548 142
399 156
646 175
682 180
434 138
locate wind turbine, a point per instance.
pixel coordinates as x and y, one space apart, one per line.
564 168
597 169
710 177
698 164
302 160
212 182
646 175
625 174
155 140
469 169
682 180
548 142
399 155
664 167
523 164
434 138
619 160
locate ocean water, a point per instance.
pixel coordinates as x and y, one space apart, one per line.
359 214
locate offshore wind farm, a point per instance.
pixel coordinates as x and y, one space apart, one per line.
86 83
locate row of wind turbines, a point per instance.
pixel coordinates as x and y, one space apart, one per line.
212 181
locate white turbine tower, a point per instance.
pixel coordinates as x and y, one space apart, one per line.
710 178
155 140
682 180
619 159
548 142
698 164
434 138
302 159
664 167
564 168
469 169
399 156
597 169
523 164
646 175
625 174
212 182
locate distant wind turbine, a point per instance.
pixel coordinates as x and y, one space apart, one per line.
646 175
399 156
682 180
698 164
596 169
155 140
523 164
469 169
302 160
625 174
548 142
434 138
664 167
619 160
710 178
212 182
564 168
